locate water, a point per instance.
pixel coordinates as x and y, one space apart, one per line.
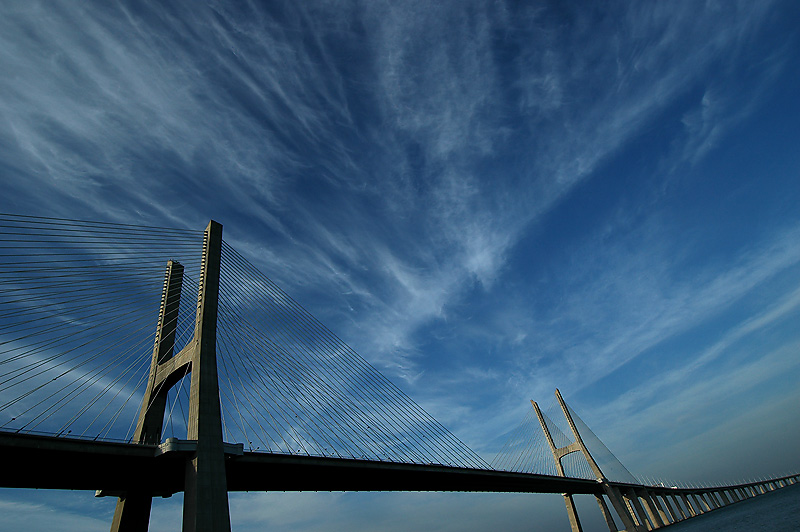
776 511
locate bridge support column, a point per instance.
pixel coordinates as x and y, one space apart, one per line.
205 502
652 514
718 499
623 509
688 505
679 507
638 511
672 513
704 506
711 496
697 503
664 518
637 519
711 500
132 512
572 513
612 527
714 499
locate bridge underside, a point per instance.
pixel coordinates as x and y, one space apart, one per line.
74 464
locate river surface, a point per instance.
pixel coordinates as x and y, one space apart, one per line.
776 511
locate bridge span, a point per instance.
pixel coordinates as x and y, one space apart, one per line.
275 402
117 468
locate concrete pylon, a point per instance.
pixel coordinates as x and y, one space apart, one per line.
628 520
205 504
558 454
613 494
205 500
132 512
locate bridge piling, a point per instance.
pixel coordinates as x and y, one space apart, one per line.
649 506
612 527
660 510
638 510
572 513
622 507
673 516
681 510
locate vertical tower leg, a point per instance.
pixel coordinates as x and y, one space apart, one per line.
132 513
205 503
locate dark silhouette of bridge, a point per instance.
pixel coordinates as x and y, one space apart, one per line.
262 396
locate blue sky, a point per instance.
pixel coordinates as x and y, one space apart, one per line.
485 200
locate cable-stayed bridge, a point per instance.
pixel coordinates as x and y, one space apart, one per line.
139 362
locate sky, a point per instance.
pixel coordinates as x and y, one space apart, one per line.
486 200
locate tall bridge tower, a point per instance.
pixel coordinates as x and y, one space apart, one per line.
205 503
621 505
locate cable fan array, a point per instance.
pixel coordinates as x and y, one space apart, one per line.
289 385
78 312
78 303
527 450
608 463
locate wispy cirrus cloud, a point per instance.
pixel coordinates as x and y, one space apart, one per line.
572 341
640 278
384 158
175 112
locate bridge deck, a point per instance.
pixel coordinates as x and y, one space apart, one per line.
48 462
70 463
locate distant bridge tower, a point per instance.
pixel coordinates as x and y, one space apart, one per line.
626 507
205 504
